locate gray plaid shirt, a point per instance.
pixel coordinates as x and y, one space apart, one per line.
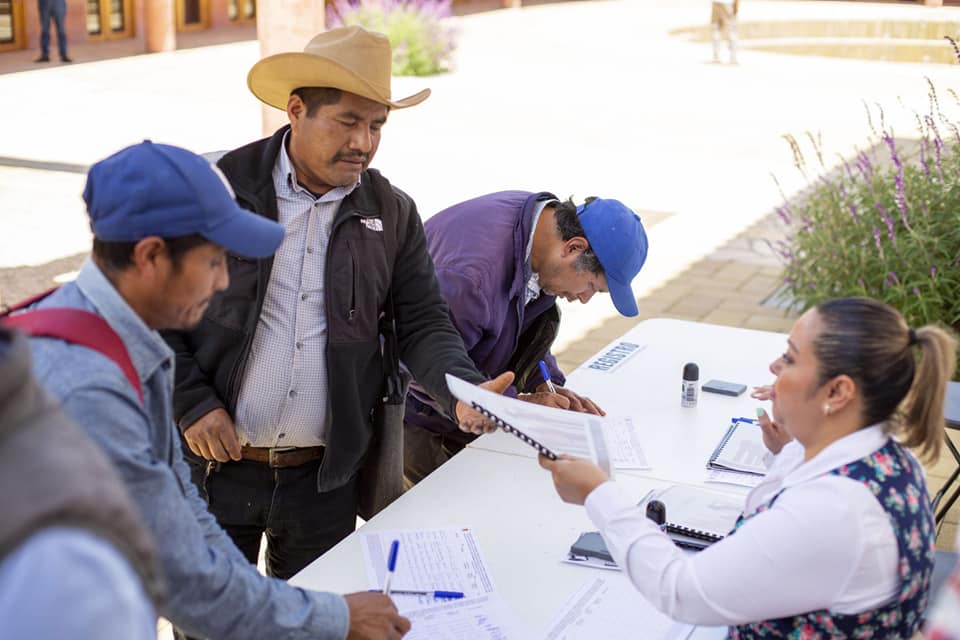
283 398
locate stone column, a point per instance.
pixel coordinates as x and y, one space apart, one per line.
286 25
161 25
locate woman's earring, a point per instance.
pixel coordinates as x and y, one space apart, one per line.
826 409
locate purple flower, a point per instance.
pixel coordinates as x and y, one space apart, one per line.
889 222
861 283
784 215
812 287
916 291
876 237
933 271
853 212
893 276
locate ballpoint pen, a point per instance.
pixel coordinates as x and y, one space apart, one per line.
451 595
391 565
546 377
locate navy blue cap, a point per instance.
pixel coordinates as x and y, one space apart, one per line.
159 190
617 237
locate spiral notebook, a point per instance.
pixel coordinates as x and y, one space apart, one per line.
549 430
741 449
698 517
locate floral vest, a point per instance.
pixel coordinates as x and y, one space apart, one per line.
896 480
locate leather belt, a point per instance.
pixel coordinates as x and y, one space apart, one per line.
278 458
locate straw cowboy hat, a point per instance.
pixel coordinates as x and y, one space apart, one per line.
348 58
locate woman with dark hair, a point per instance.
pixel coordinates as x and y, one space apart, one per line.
838 539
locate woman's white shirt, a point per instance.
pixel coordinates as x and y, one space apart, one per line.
826 543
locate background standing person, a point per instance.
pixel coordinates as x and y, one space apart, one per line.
163 220
280 388
502 260
723 18
838 539
55 10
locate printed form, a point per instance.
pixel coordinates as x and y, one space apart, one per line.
447 559
611 442
610 608
479 618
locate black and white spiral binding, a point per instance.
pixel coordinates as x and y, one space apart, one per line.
509 428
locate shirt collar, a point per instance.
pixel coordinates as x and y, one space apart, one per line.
532 290
147 349
847 449
285 176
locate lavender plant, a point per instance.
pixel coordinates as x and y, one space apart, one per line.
885 225
422 39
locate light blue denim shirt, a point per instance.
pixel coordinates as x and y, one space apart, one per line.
214 591
68 583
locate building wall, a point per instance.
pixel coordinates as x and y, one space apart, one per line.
76 22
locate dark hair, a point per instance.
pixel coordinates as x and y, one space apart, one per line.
870 342
568 226
118 256
316 97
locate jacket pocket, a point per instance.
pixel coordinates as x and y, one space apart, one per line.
358 282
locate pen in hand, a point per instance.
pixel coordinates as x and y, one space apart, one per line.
391 565
452 595
546 377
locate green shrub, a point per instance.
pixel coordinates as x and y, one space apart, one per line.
420 35
889 230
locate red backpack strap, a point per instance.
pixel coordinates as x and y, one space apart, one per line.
23 304
76 326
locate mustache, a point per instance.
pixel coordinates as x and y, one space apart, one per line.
352 157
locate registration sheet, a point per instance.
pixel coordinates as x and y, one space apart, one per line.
447 559
609 607
609 441
479 618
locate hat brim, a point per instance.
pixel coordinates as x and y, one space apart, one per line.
247 234
275 77
623 298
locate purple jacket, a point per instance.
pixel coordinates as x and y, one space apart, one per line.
478 249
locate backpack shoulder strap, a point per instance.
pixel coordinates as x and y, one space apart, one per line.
77 326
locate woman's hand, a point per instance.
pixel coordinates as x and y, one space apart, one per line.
762 393
574 478
774 436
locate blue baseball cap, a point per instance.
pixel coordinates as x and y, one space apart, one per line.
617 237
159 190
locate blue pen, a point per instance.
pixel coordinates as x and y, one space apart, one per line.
391 565
546 376
451 595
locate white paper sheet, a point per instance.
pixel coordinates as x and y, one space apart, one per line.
721 476
610 608
480 618
447 559
609 441
744 450
623 444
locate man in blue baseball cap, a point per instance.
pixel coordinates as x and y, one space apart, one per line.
165 225
502 260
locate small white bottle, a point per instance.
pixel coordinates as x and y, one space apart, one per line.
690 388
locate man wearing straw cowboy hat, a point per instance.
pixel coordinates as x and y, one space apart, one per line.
280 391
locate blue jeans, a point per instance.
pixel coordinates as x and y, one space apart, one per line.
57 10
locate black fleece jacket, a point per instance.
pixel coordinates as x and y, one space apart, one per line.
359 273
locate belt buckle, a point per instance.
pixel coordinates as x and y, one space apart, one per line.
271 460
